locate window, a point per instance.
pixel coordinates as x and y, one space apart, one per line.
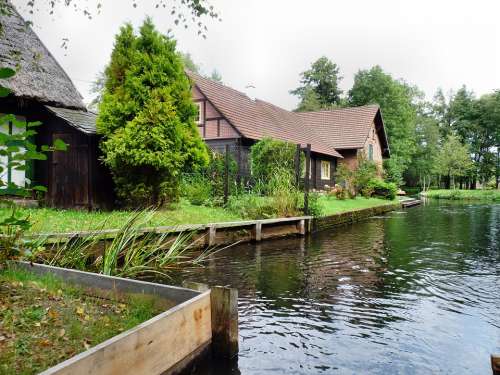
325 170
370 152
199 119
11 175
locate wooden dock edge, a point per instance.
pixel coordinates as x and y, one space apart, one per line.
165 344
205 235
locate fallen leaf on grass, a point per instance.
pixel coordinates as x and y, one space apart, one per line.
45 342
80 311
53 314
62 332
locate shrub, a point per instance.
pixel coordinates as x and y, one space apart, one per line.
252 206
197 189
270 155
315 206
206 186
356 180
379 187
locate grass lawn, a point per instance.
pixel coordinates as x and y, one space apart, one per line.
53 220
456 194
332 205
44 321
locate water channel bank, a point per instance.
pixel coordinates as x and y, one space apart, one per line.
412 291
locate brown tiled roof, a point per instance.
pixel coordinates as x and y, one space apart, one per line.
326 131
344 127
256 119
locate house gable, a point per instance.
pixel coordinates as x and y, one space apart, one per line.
212 124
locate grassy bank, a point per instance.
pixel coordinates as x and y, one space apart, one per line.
53 220
48 220
44 321
332 205
486 195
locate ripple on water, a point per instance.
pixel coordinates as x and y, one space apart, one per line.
400 294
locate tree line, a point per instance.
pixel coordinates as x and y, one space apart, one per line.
451 140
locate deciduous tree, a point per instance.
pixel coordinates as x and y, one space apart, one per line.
320 82
396 100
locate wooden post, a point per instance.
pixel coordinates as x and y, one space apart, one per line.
211 233
258 231
307 179
238 175
495 364
302 227
226 175
224 302
297 166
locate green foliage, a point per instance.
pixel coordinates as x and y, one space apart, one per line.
355 180
456 194
316 207
453 158
320 86
271 155
131 253
147 117
396 100
206 186
379 188
16 151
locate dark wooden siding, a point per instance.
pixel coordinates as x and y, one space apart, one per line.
74 178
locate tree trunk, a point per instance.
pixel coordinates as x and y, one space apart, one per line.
447 181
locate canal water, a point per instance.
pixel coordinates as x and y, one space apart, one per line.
410 292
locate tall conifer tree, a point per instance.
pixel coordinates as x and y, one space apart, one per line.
147 118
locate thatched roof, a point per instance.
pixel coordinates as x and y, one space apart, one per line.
39 76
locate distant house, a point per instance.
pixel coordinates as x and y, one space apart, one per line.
42 91
230 117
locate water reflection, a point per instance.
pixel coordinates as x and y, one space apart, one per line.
410 292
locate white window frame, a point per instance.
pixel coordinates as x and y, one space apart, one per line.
325 169
199 120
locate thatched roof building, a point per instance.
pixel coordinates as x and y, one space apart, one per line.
42 91
39 76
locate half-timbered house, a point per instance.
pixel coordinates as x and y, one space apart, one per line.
230 117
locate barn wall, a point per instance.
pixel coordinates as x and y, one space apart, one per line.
74 178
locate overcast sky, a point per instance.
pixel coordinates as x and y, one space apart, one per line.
267 44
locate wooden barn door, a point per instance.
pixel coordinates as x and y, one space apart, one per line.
70 170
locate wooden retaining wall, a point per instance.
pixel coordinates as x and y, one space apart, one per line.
332 221
164 344
206 234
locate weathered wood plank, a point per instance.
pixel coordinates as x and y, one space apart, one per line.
224 302
115 284
151 348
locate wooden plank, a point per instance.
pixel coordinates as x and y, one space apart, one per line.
258 232
151 348
111 283
224 302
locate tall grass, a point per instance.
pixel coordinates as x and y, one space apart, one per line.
456 194
130 253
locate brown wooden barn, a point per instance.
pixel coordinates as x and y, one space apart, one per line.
42 91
